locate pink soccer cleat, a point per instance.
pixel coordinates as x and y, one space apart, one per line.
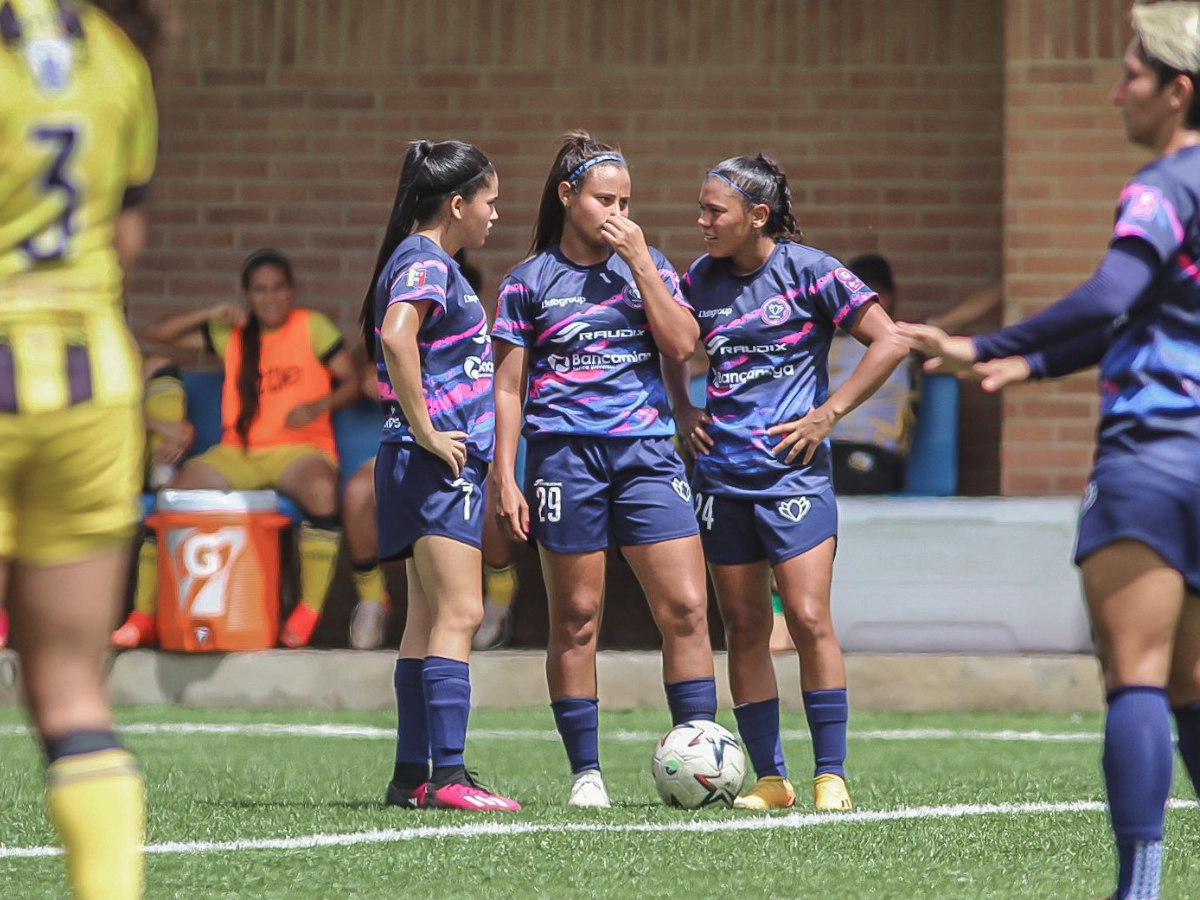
469 796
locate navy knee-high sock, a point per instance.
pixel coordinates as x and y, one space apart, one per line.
1137 773
447 706
578 722
412 730
1187 723
693 698
827 713
758 725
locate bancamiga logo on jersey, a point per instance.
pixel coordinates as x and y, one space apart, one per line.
593 361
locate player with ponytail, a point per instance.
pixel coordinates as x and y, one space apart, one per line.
767 307
585 326
426 329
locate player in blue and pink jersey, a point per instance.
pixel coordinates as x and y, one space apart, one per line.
768 308
1138 547
427 330
583 327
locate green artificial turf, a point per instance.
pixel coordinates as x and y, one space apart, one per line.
248 787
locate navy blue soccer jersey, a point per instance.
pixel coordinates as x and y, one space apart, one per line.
1150 376
455 347
767 335
594 368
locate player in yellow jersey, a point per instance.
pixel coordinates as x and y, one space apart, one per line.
78 137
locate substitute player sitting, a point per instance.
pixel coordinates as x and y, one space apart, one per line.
286 370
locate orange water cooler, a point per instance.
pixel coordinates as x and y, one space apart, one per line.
218 570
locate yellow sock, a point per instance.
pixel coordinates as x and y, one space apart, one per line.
145 593
500 584
165 401
369 584
318 548
97 807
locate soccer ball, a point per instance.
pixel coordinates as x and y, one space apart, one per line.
698 764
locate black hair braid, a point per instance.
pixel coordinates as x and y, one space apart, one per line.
784 226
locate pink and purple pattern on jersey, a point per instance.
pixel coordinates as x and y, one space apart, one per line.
767 336
593 364
1149 400
453 341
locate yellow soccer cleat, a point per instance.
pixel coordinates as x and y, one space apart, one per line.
770 792
830 794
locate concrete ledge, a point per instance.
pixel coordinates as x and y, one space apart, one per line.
356 680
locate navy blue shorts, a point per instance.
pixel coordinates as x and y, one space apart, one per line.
417 495
736 530
586 494
1127 500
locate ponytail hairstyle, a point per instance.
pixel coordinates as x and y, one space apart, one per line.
760 180
249 377
577 156
431 175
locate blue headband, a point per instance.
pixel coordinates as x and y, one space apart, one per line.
594 161
745 193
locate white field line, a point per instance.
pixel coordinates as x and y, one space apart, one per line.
691 826
527 734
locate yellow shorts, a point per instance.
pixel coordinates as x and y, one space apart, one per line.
69 481
252 470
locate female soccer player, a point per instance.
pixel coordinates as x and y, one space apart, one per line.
286 370
1138 546
767 308
585 321
78 136
427 329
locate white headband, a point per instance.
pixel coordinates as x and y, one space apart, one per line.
1170 32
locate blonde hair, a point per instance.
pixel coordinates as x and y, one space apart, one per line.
1169 32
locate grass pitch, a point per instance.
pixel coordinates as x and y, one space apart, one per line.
289 805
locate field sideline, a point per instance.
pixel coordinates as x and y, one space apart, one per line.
287 804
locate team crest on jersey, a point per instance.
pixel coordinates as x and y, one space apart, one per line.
632 296
683 489
794 510
50 60
852 282
775 311
1145 204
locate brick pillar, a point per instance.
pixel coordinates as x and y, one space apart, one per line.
1065 160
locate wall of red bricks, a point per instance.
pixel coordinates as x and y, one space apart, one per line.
284 124
1066 160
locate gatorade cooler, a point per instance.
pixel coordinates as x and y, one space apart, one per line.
218 569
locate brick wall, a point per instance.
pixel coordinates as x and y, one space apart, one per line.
1066 159
284 124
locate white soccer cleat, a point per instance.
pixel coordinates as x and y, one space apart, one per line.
587 791
494 629
367 623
